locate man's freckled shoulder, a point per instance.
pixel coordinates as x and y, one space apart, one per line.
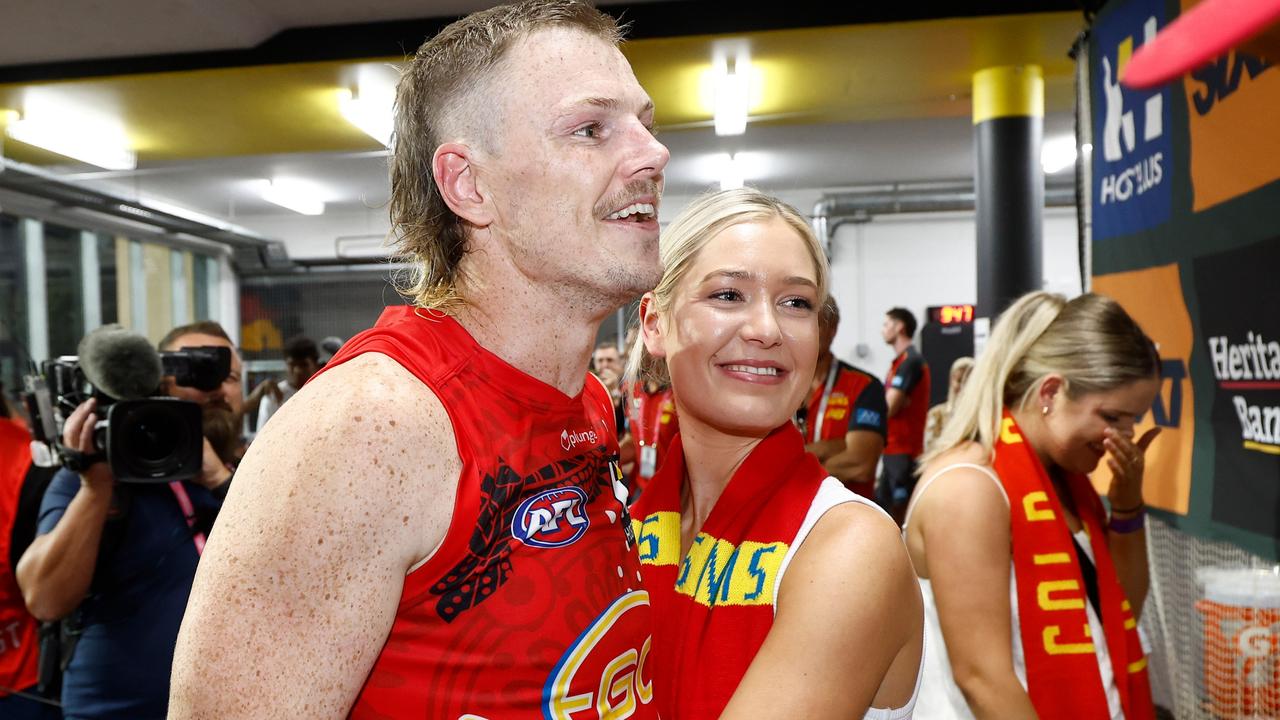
368 405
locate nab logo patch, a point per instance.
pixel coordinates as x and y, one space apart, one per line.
868 417
552 518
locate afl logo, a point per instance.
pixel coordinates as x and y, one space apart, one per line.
552 518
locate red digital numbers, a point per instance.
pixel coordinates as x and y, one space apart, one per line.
955 314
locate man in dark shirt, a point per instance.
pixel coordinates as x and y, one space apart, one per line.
907 397
844 418
118 559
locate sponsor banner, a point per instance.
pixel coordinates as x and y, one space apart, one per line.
1154 298
1232 108
1240 335
1132 151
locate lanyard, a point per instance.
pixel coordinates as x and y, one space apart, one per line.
189 512
826 395
650 411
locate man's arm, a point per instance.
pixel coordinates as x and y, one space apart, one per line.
856 464
268 387
350 487
864 441
902 383
56 570
849 628
825 449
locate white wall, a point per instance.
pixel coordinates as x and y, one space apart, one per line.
318 236
915 261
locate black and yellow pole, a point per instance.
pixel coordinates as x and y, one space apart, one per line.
1008 125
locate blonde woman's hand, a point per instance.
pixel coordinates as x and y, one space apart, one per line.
1126 458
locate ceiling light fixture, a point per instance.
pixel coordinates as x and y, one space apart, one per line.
733 96
70 131
292 195
369 101
731 177
1058 154
369 110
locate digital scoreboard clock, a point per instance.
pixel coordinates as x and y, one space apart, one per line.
951 314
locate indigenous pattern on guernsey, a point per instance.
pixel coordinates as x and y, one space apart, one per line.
531 608
487 565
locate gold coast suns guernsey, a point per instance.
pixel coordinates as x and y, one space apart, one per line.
532 606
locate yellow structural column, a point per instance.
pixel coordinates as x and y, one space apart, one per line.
1008 126
1008 91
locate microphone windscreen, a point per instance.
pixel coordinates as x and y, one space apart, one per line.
119 363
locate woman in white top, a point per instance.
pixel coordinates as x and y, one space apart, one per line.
777 592
1031 603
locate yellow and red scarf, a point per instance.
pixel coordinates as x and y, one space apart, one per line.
714 606
1062 670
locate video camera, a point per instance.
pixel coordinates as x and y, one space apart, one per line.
144 436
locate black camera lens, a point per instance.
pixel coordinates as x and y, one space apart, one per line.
155 440
152 436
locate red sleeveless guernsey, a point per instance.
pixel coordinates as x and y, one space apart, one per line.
19 650
532 606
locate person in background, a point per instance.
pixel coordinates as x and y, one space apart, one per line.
652 424
606 364
301 361
907 397
1032 589
329 347
19 647
938 414
844 417
116 560
781 594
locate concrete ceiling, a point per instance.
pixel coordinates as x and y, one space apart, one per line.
40 31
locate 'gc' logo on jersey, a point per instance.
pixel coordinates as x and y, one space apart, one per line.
552 518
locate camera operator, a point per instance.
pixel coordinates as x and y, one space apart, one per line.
117 559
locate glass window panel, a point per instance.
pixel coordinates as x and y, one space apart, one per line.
13 306
64 288
107 285
200 281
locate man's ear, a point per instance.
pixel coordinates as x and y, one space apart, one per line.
455 175
651 322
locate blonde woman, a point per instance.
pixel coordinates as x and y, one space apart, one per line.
1032 593
778 593
939 414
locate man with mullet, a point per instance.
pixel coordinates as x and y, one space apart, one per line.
459 546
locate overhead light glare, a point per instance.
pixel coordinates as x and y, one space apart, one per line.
370 109
291 195
731 177
1058 154
77 135
733 97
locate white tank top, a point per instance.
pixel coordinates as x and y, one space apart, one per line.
830 494
940 698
